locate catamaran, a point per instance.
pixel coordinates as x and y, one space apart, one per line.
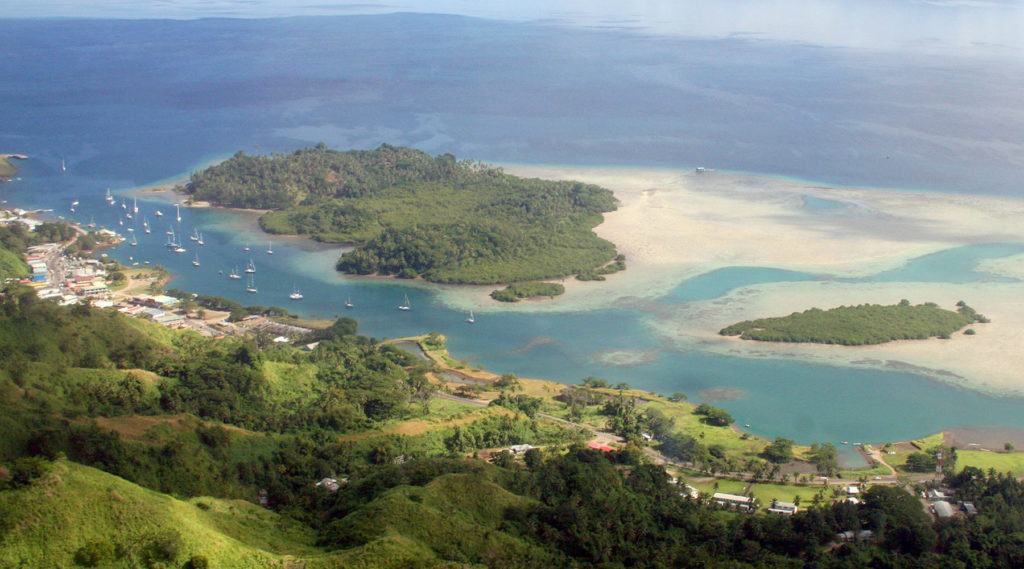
405 305
251 268
295 295
251 287
234 273
471 319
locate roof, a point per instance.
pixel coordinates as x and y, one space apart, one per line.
942 509
731 497
599 446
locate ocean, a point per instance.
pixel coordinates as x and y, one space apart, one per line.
128 103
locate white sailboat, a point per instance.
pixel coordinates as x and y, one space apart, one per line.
246 248
295 295
63 166
179 249
251 268
108 197
200 240
194 236
270 247
159 213
195 263
234 273
405 305
74 203
251 287
471 319
145 224
124 206
133 242
135 205
348 303
177 212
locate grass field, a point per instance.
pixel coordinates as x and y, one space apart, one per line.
765 493
46 523
1012 462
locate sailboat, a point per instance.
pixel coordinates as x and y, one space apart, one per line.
108 197
195 263
92 222
124 206
135 205
194 236
177 212
251 287
63 166
145 224
234 273
200 240
471 319
74 203
159 213
134 242
251 268
170 230
405 305
295 295
270 247
348 303
246 248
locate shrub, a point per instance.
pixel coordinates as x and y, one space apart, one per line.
94 553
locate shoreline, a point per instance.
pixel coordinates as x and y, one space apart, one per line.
673 225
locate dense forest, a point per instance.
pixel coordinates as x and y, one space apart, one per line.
859 325
413 215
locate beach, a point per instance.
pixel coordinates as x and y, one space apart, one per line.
674 224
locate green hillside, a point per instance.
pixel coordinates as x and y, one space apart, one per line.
411 214
47 523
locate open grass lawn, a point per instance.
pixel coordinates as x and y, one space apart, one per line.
765 493
723 485
1012 462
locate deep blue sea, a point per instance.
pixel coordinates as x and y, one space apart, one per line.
127 103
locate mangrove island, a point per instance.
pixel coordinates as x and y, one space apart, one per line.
860 325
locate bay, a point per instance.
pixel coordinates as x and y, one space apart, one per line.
128 103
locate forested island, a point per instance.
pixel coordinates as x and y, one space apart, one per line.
860 325
413 215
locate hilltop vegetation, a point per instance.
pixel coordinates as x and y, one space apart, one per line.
859 325
413 215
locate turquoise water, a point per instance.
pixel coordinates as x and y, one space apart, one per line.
149 106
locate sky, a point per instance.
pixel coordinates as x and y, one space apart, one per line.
991 27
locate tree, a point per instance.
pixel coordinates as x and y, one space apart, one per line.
1008 446
780 451
714 415
824 456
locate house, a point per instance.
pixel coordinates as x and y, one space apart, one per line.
689 491
741 502
858 536
784 508
939 494
968 508
519 449
329 484
942 509
852 490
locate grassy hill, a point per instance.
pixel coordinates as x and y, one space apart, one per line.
46 523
